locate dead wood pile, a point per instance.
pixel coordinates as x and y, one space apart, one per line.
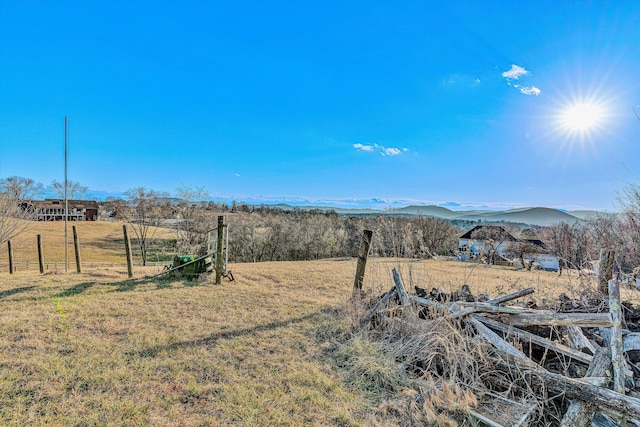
582 357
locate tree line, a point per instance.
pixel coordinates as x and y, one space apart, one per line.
266 233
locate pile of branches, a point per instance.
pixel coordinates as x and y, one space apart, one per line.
580 360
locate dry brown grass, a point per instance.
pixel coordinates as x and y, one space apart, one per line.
280 346
100 243
93 349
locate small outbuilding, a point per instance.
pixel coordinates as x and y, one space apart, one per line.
496 242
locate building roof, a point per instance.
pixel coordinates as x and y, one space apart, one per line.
59 203
496 228
501 230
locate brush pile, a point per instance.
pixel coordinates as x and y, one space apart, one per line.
579 362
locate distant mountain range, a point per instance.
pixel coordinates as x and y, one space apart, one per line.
526 215
530 216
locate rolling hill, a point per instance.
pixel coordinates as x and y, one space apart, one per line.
530 215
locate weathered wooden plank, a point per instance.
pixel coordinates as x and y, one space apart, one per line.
605 269
363 254
512 296
127 248
40 254
588 320
219 251
617 348
529 337
501 344
610 400
383 300
580 413
402 292
483 419
428 303
578 340
76 247
485 307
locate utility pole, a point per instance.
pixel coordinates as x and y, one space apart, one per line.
66 186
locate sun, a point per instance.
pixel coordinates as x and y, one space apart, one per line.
582 116
581 119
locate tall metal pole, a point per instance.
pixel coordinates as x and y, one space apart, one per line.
66 186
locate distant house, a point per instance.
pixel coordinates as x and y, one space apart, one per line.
484 239
53 210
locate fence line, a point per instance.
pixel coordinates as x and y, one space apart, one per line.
50 266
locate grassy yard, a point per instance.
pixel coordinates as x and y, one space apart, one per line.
100 243
94 349
267 349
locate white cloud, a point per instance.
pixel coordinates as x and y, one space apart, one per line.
236 174
530 90
515 72
385 151
363 147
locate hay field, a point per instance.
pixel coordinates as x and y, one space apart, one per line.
97 349
100 243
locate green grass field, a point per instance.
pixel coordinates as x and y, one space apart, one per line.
268 349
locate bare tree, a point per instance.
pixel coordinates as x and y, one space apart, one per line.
16 210
19 188
572 244
621 231
144 210
194 219
74 189
15 216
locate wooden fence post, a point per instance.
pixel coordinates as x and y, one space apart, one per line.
219 250
365 244
127 247
76 246
617 351
40 254
11 269
605 271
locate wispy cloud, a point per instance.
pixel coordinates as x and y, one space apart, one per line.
460 80
363 147
530 90
514 73
385 151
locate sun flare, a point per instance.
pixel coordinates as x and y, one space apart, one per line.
581 119
582 116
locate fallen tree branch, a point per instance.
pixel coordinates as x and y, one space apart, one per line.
383 300
588 320
525 336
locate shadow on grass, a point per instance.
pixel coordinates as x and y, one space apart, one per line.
15 291
161 283
75 290
213 338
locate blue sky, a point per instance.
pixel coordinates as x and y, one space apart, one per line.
347 102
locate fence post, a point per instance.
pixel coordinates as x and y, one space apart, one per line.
219 250
11 269
617 348
76 246
40 254
365 244
127 247
605 271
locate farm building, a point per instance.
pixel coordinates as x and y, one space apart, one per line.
53 210
484 239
